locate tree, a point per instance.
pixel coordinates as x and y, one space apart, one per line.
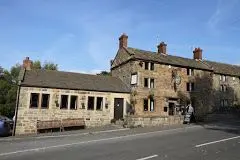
104 73
8 85
50 66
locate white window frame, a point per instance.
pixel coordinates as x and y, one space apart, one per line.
134 79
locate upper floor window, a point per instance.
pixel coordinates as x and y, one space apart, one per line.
151 66
149 82
190 72
146 65
190 87
134 79
223 78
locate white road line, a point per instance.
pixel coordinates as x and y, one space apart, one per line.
92 141
149 157
218 141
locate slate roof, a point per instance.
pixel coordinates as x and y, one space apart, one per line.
70 80
217 67
168 59
222 68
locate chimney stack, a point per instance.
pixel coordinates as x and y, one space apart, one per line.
197 54
123 41
162 48
27 63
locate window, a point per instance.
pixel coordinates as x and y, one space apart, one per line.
223 78
223 88
45 101
64 102
151 104
151 83
145 104
190 87
73 102
152 66
134 79
224 103
190 71
146 65
145 82
99 103
34 100
90 103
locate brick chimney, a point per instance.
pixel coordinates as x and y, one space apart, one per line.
162 48
197 54
123 41
27 63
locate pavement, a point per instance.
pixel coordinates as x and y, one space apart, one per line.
177 142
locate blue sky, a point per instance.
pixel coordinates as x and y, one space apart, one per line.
82 35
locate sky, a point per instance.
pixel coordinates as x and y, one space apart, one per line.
82 35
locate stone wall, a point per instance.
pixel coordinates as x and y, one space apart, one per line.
164 87
27 117
232 93
152 121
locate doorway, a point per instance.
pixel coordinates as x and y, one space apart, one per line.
171 108
118 108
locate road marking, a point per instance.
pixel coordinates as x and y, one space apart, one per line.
213 142
92 141
149 157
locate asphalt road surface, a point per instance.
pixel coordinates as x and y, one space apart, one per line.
189 143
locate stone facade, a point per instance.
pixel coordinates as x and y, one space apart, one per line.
27 117
173 84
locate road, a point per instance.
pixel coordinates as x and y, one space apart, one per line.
193 142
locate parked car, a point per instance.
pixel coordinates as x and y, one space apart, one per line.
6 126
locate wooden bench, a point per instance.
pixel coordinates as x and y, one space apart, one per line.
48 124
73 122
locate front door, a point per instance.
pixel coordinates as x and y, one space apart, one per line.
118 108
171 109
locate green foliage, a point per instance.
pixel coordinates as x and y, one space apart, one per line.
105 73
8 86
50 66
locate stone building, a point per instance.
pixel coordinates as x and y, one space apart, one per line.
162 83
55 95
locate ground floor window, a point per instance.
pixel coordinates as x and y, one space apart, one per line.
34 100
151 104
45 101
90 103
145 104
64 102
99 103
73 102
148 105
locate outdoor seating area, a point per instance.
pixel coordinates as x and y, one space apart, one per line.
59 125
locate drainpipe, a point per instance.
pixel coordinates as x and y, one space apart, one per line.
16 108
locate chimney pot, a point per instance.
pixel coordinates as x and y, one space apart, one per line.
162 48
27 63
197 53
123 41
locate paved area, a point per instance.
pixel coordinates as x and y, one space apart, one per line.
171 143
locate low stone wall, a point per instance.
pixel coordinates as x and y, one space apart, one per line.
134 121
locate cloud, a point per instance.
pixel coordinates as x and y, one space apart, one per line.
225 11
93 71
